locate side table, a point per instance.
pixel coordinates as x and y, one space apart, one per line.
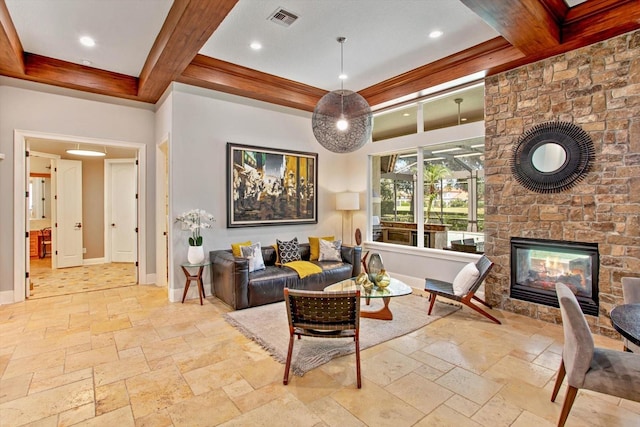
191 277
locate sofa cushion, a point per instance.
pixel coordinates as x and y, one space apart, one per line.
330 251
254 253
288 250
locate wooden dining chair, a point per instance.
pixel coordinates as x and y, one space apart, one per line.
466 292
45 241
324 315
631 295
598 369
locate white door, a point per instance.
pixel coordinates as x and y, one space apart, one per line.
121 206
68 202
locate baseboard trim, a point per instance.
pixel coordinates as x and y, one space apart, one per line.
149 279
6 297
413 282
93 261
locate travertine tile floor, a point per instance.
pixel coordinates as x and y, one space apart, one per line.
47 282
126 356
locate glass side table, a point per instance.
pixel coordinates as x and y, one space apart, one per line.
197 276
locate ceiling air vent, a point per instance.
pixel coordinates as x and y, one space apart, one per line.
283 17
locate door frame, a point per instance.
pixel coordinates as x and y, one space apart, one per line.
53 158
164 268
20 207
108 170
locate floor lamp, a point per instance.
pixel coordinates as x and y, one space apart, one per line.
347 201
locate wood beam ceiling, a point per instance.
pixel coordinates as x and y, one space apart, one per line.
10 46
531 30
189 24
226 77
526 24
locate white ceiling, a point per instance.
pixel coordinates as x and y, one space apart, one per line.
384 38
124 30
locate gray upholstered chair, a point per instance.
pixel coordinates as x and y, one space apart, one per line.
606 371
323 315
631 295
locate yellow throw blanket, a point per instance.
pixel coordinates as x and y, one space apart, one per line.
304 268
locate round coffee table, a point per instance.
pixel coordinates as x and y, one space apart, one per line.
395 289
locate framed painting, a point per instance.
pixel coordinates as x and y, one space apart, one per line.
267 186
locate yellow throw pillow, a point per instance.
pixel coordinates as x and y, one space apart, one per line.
235 247
314 245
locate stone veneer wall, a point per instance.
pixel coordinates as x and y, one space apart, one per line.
597 88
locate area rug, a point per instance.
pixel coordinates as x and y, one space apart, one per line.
268 326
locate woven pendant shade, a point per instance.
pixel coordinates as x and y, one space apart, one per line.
351 107
342 119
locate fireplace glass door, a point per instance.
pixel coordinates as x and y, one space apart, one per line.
537 265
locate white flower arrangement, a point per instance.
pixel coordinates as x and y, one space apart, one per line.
193 221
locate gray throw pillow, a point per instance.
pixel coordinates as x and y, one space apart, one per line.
254 253
330 250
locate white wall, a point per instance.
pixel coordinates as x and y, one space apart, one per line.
31 109
203 123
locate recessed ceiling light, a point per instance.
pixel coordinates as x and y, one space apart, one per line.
255 45
86 62
406 115
435 34
342 76
87 41
464 119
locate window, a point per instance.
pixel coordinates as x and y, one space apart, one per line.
433 195
452 196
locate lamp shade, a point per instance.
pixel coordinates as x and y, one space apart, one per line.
347 201
350 108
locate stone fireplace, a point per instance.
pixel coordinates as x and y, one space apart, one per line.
537 265
598 89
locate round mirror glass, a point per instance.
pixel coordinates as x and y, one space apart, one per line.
548 157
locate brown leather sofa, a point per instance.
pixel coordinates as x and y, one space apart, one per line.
233 284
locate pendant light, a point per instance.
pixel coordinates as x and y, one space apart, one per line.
342 119
458 101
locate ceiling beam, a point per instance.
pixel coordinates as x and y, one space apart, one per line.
189 24
475 59
586 24
527 24
226 77
599 20
55 72
10 46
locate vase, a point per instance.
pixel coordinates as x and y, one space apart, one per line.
374 266
382 279
195 254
